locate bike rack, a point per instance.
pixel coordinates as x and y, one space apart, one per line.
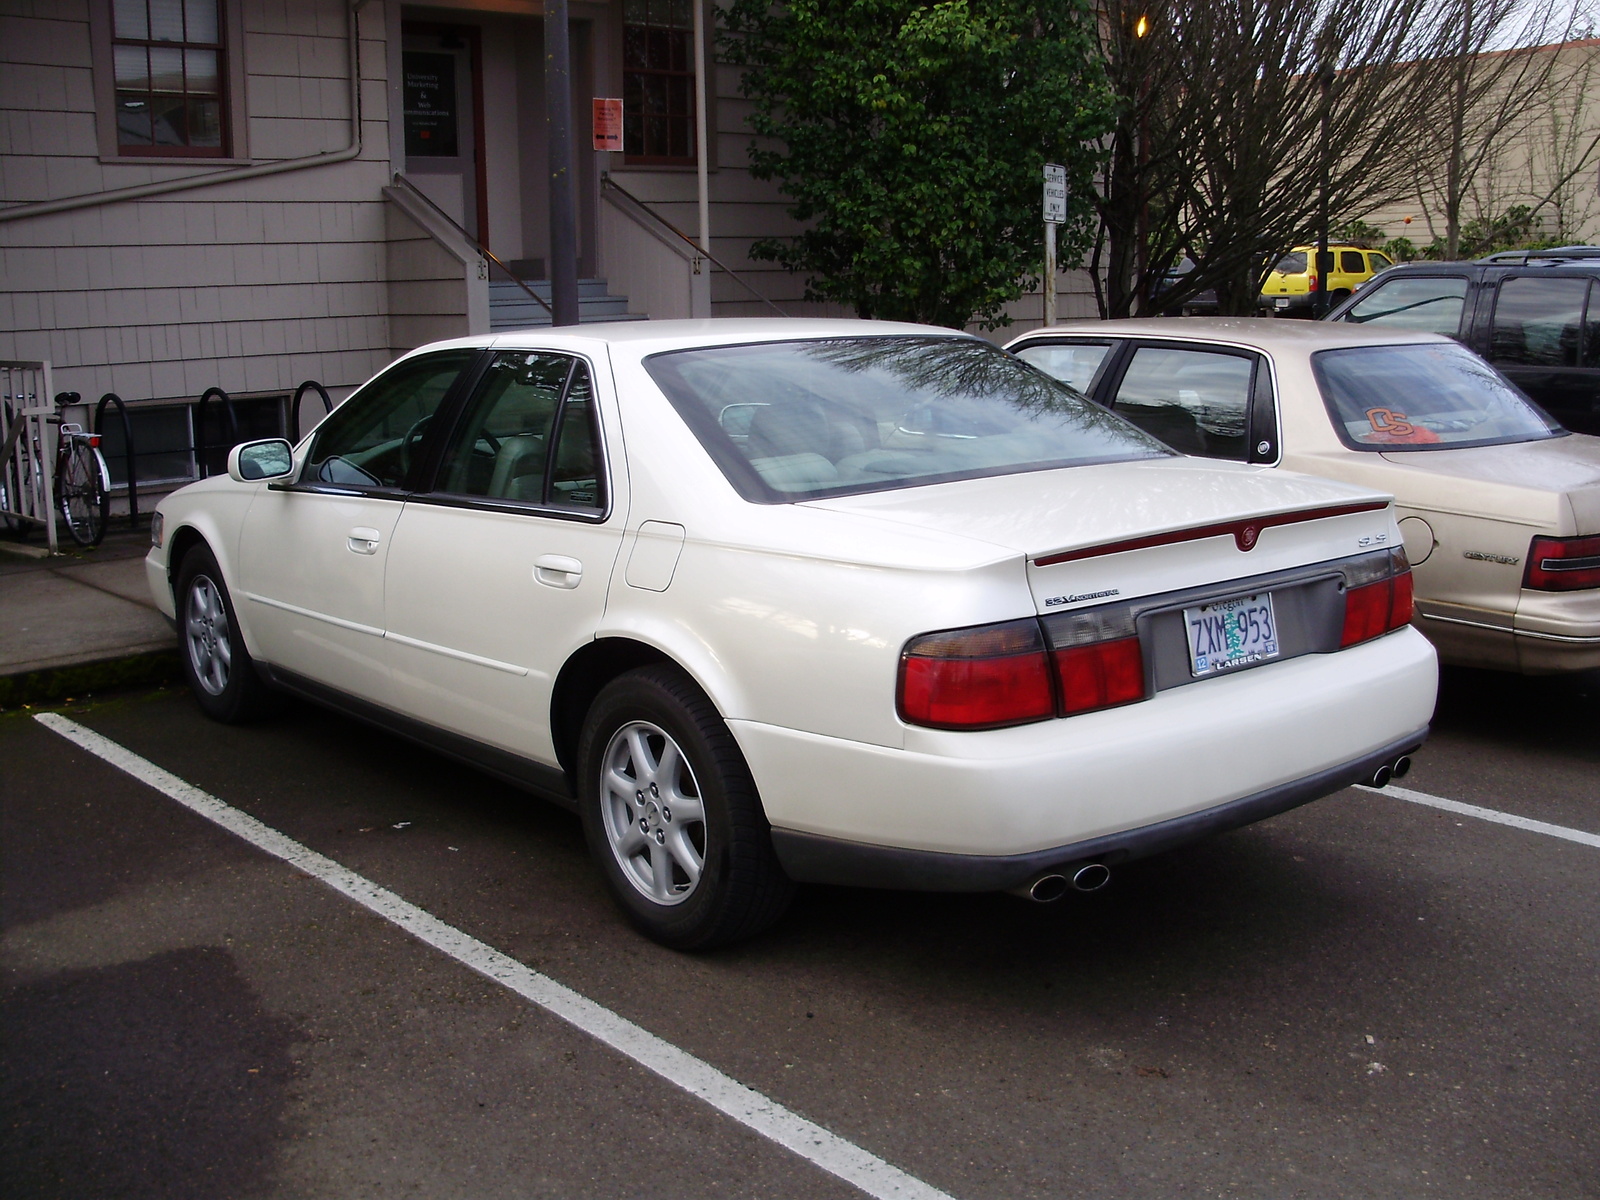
128 453
294 407
200 443
28 455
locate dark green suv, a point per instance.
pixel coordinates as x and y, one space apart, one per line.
1535 315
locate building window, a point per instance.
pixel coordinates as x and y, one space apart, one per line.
658 81
167 62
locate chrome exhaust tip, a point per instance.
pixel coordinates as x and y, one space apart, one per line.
1047 888
1091 877
1401 766
1380 777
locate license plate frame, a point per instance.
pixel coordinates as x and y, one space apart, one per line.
1229 635
1281 302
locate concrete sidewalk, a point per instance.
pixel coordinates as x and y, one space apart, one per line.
79 622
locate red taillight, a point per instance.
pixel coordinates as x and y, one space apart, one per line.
1311 283
1563 564
94 440
1377 598
1021 671
1101 675
978 678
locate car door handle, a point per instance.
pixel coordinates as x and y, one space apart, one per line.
363 540
558 571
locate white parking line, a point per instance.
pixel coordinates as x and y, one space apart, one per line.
1488 814
750 1108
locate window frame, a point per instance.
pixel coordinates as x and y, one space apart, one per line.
426 489
235 121
1584 309
642 162
1261 407
429 449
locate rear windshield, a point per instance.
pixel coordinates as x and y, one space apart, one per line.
1291 264
1423 398
799 420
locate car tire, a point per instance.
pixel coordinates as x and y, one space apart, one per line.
700 876
216 663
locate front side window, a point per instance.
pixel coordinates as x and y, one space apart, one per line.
797 420
1428 397
1074 363
1380 262
658 81
1537 322
1196 401
1422 303
528 436
167 62
374 438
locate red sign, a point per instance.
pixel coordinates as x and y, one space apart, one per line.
607 124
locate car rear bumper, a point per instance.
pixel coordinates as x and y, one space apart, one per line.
812 859
1279 734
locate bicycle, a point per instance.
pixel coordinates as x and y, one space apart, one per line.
82 480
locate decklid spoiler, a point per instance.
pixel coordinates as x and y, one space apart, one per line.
1121 530
1051 515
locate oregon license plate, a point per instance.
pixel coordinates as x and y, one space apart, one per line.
1230 634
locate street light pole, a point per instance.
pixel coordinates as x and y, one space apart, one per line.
563 199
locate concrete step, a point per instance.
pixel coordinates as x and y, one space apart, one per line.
511 308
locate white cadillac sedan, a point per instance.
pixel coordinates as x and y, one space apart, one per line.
778 601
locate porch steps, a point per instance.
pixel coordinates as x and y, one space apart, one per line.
511 308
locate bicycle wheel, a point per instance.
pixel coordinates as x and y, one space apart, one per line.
81 493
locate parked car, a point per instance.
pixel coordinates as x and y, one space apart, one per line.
1534 314
1292 286
838 601
1499 505
1201 304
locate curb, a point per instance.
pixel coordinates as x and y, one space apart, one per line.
59 683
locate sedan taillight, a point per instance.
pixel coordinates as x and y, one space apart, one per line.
1378 596
1563 564
978 678
1021 671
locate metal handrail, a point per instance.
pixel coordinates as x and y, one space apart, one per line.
294 406
482 249
128 454
607 182
200 444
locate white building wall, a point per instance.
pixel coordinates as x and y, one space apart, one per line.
252 285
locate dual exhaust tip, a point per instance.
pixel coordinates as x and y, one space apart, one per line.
1051 885
1385 775
1055 883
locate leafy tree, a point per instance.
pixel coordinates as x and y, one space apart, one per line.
911 139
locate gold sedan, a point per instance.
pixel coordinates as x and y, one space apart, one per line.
1499 505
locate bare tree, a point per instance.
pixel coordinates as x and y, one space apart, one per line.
1497 73
1246 125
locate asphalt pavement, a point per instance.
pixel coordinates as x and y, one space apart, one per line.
1365 997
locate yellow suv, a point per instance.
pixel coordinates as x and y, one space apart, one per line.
1292 286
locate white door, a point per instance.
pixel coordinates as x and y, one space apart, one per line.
500 573
312 553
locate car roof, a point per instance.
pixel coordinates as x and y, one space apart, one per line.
1506 261
649 337
1263 333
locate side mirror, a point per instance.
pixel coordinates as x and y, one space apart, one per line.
251 462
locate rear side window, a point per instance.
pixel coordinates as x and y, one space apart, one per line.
1424 303
1537 321
528 435
1351 262
1428 397
1075 365
1196 401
